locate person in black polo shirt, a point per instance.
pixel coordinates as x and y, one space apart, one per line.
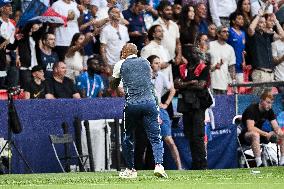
60 86
260 50
36 89
252 120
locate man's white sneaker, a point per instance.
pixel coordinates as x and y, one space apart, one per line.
159 171
128 174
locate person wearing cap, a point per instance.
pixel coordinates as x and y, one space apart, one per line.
36 89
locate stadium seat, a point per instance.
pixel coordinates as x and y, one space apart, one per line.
245 154
67 141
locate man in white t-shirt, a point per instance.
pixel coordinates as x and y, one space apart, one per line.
278 59
171 37
64 34
223 61
155 35
113 37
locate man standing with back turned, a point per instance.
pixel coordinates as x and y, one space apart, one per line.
140 107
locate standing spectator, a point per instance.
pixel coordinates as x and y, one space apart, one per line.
278 59
136 27
237 39
200 17
194 100
113 37
212 36
140 106
88 22
243 7
64 34
188 31
260 41
90 83
28 46
47 57
36 89
261 4
155 35
220 11
60 86
223 62
7 32
74 57
171 36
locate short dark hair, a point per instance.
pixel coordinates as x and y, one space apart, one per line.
94 59
56 64
142 2
234 16
151 58
163 4
151 31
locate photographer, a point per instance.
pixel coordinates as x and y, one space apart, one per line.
253 118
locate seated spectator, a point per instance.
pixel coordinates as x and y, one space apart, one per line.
90 83
60 86
36 89
253 118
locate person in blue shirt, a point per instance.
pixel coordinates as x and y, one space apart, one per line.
90 83
136 28
237 39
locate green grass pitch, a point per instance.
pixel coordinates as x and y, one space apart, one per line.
268 178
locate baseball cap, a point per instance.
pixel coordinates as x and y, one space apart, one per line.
5 2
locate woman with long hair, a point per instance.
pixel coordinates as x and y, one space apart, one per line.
243 7
74 58
187 30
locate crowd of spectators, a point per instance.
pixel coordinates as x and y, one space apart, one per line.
240 38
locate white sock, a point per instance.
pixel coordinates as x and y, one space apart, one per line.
282 160
258 161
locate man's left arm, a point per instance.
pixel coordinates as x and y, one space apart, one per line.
276 127
232 62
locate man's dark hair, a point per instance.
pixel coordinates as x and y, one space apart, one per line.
151 58
56 64
234 16
163 4
142 2
95 59
151 31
